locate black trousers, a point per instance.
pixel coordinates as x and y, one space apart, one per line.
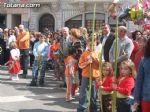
107 103
31 60
6 55
24 60
124 105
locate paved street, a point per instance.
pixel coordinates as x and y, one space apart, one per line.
17 96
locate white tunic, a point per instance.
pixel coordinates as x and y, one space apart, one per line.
15 54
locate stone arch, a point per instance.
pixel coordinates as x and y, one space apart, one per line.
75 21
47 21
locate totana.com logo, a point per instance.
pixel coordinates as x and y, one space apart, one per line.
13 1
19 4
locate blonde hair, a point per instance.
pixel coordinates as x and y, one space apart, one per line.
13 45
83 30
107 64
131 66
75 33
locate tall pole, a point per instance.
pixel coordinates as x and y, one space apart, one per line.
100 74
91 74
115 66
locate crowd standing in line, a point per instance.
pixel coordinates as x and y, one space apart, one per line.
70 53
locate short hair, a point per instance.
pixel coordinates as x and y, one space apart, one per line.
123 28
21 25
38 34
105 24
66 28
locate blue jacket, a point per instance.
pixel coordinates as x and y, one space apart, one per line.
40 49
142 87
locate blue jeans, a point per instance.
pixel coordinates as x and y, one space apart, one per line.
83 98
35 70
124 105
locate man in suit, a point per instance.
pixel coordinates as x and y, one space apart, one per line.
65 43
107 41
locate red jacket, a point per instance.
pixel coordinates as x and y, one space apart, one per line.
134 50
126 85
107 83
138 56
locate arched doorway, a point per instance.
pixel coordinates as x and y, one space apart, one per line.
2 21
47 21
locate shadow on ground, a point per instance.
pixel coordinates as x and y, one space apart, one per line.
51 88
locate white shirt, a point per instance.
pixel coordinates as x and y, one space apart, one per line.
98 49
104 39
10 39
15 53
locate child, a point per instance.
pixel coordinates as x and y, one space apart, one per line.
50 62
40 51
55 56
125 84
107 88
14 63
70 70
88 57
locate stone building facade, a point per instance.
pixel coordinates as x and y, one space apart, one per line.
55 14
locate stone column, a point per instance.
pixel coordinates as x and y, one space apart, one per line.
9 21
83 20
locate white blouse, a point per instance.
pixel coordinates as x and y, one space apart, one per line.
10 39
15 54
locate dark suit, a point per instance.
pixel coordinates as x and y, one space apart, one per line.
3 48
107 45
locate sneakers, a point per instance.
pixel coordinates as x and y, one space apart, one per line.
14 78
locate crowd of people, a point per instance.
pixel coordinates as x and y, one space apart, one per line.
74 56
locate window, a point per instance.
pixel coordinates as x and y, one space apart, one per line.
99 20
74 22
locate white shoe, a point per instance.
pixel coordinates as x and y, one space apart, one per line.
15 78
77 94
